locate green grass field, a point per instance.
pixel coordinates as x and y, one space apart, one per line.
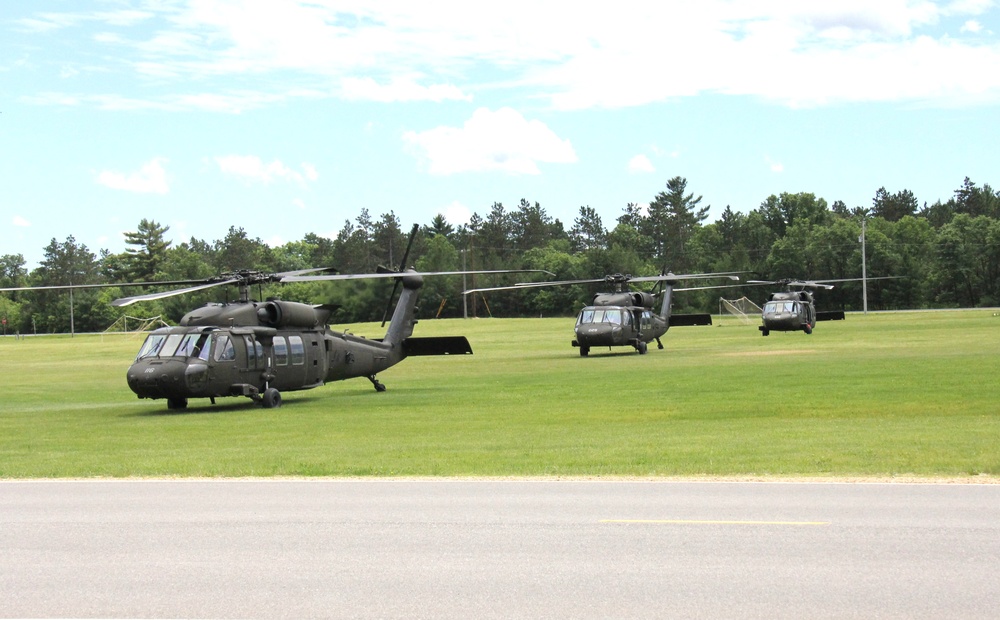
897 394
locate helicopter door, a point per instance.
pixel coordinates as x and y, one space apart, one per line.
255 361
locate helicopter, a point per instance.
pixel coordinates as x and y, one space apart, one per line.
795 310
622 317
259 349
790 310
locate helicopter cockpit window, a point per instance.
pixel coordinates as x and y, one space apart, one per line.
195 345
151 347
298 350
613 316
280 351
224 350
587 316
170 345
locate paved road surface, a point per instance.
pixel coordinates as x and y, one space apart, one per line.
497 549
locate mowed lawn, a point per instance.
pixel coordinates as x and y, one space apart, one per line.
886 394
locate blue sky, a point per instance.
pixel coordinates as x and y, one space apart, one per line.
289 116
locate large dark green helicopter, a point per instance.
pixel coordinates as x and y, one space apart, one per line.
622 317
794 309
260 349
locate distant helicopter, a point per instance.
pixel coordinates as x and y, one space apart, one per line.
790 310
626 318
795 310
261 349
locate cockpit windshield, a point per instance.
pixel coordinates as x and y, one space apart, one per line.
187 345
151 347
614 316
781 307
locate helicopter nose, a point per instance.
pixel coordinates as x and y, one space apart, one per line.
158 378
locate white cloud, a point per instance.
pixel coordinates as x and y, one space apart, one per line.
310 171
972 26
399 89
457 214
20 222
253 168
640 163
774 166
150 179
502 140
794 53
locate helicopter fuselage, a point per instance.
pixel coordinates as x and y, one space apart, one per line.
626 318
260 349
615 326
788 311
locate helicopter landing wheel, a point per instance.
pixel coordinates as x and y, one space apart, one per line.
177 403
808 329
765 332
271 398
584 351
641 347
378 384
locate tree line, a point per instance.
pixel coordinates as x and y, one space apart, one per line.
945 254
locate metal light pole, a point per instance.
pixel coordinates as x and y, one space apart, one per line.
465 287
864 268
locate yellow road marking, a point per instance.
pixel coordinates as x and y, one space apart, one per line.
702 522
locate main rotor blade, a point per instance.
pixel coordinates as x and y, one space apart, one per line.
660 278
300 272
667 277
372 276
64 287
125 301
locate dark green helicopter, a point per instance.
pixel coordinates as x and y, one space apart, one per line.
624 318
790 310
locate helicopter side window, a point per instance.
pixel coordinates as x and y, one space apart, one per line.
298 350
251 351
280 351
224 350
151 347
647 318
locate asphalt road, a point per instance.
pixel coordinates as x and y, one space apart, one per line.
498 549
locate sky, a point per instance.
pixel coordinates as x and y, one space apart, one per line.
288 117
